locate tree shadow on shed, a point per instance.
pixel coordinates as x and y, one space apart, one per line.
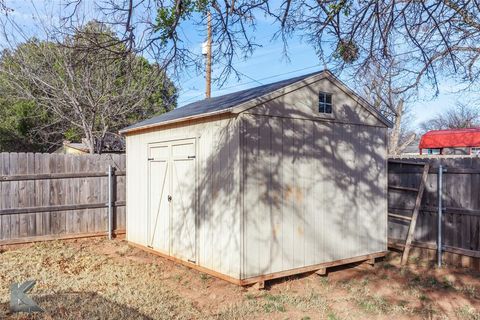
308 190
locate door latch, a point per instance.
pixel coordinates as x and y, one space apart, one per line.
169 198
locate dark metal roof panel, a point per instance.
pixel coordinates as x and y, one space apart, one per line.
219 103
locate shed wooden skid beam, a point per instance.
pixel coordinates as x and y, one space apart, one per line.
260 280
188 264
313 268
260 285
370 262
321 272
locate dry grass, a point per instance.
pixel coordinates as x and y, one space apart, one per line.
468 313
266 304
98 279
75 283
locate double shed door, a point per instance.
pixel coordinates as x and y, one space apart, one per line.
172 198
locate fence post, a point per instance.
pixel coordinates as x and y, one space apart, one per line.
440 218
110 184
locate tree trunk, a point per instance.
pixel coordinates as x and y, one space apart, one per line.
405 144
396 130
91 146
89 140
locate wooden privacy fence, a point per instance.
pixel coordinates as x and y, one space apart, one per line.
56 196
461 208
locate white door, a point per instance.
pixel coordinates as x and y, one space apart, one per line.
172 198
159 189
183 200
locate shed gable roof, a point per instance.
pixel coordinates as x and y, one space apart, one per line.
236 102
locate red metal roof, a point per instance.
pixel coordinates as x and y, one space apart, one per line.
469 137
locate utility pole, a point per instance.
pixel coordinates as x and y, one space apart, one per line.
208 62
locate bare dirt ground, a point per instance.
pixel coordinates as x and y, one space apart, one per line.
99 279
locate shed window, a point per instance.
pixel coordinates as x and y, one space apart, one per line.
324 102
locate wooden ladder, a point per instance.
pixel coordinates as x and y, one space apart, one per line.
416 208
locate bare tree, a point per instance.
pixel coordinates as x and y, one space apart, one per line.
95 91
462 115
380 83
3 7
428 37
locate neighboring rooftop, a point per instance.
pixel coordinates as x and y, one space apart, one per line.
112 143
450 138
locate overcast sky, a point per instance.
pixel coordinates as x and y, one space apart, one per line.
266 65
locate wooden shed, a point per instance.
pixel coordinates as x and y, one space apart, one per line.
285 178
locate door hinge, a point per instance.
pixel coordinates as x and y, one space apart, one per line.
191 261
150 159
191 157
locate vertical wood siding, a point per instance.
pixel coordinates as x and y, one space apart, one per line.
313 192
217 189
315 186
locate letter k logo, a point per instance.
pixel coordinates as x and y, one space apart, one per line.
19 302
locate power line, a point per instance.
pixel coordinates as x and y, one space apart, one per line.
243 74
253 79
270 77
190 99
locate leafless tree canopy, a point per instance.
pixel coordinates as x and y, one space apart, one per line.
3 6
92 90
462 115
427 38
399 45
380 83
